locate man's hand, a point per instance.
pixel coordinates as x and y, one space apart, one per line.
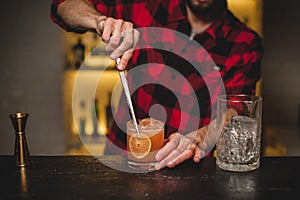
178 149
120 36
121 39
197 144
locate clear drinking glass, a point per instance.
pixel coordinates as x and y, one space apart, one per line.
141 150
239 124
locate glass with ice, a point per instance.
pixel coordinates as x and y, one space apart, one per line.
141 150
239 125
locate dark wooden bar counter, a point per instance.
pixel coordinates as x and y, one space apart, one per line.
85 177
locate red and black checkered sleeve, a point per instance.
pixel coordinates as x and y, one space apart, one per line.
242 76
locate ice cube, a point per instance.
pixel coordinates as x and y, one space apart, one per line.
239 140
150 123
145 122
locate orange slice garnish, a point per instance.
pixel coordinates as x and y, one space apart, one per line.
139 147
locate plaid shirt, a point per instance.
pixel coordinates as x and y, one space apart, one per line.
235 49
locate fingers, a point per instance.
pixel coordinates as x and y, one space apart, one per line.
185 155
122 46
172 143
174 152
192 150
124 60
109 27
198 155
100 24
178 149
121 39
127 44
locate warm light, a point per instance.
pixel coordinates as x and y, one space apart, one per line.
107 82
89 129
23 180
75 128
249 12
102 130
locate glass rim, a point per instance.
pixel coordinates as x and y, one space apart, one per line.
160 126
19 115
240 98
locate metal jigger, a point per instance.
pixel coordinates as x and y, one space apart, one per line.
21 149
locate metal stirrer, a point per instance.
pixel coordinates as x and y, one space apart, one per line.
128 98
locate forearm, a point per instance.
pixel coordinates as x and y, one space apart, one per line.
207 136
80 15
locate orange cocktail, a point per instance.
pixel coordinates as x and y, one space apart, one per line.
142 150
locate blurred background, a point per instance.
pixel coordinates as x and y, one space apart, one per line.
38 69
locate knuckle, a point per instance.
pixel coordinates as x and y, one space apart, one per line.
173 144
109 20
136 33
190 152
177 151
113 43
181 148
127 43
128 25
119 21
113 46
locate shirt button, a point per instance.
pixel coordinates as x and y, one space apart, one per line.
216 68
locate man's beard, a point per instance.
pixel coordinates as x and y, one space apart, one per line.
211 10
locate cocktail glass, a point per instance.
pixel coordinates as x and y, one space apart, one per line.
142 150
239 124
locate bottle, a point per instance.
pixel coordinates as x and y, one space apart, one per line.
109 112
78 53
95 115
82 119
